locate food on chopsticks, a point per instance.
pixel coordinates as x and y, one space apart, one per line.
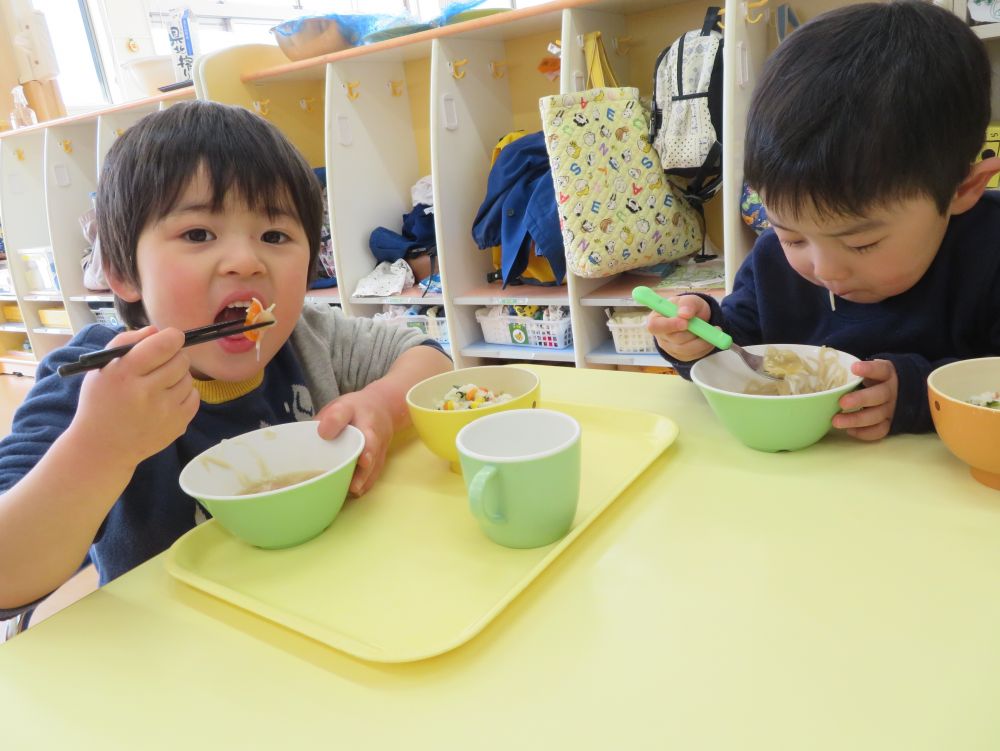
799 375
471 396
989 399
257 313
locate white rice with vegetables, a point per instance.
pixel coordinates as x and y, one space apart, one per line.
989 399
471 396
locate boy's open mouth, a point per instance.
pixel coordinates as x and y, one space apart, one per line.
235 311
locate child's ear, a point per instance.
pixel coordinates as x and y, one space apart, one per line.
972 187
126 290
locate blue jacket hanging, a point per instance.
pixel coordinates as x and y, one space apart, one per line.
520 206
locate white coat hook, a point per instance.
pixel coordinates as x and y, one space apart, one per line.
622 45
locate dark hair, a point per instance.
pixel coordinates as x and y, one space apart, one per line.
149 167
868 104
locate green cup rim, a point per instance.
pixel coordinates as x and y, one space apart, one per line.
484 422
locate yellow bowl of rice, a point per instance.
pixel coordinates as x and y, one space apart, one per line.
439 409
777 421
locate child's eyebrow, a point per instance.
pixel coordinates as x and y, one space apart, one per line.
191 208
853 229
198 207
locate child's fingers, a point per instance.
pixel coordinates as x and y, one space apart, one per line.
150 352
870 396
362 484
131 337
874 371
691 306
872 432
333 418
863 418
659 325
367 462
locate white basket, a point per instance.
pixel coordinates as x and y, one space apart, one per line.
526 332
436 328
108 316
631 337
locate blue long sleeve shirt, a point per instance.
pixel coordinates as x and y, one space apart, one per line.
952 313
329 354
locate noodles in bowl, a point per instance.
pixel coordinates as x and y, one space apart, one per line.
753 408
800 374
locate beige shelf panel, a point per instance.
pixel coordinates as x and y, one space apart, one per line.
523 294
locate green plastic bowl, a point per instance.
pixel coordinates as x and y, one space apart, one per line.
768 423
282 517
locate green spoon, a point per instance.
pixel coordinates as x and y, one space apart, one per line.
702 329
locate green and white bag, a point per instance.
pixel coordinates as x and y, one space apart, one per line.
617 209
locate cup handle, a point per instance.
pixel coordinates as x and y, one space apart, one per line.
484 495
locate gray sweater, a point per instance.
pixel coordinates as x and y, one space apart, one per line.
328 354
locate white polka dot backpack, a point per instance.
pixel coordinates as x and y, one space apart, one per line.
686 121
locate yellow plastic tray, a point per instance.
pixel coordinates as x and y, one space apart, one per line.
405 573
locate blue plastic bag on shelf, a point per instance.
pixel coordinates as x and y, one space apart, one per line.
311 36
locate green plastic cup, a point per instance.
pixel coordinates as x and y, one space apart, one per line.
522 474
278 517
769 423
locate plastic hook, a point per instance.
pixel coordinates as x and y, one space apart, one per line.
622 45
457 66
395 87
498 68
262 106
352 89
67 146
752 4
306 103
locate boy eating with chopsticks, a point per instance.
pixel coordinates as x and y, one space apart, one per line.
203 209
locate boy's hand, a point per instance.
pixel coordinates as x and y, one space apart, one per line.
672 334
372 416
876 402
138 404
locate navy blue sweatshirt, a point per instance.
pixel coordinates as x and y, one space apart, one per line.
952 313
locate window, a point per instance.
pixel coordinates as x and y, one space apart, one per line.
81 75
84 32
224 23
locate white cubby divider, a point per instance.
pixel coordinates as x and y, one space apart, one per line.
47 174
589 329
468 116
370 140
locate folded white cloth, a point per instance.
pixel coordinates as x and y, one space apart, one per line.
387 279
423 192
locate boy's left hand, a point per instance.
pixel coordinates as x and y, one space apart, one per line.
372 416
875 403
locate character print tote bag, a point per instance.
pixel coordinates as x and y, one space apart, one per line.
617 209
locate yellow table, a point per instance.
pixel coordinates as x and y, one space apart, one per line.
842 597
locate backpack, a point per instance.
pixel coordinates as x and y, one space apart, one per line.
686 121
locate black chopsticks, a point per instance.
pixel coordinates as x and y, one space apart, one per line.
95 360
